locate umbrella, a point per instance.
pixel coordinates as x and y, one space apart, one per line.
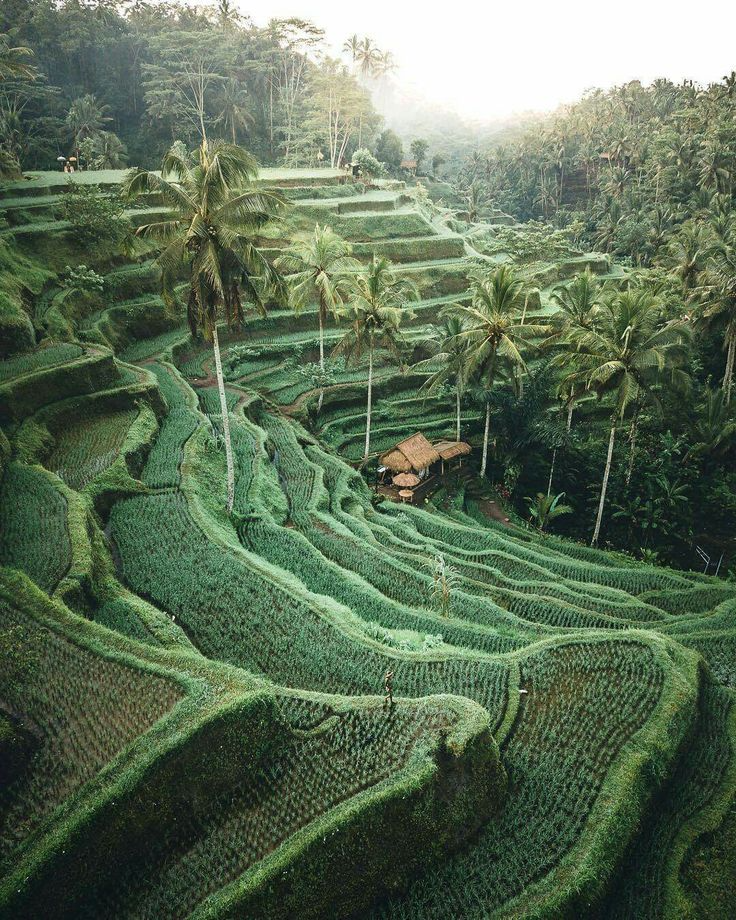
406 480
72 159
61 159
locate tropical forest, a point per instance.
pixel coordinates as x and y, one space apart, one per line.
367 465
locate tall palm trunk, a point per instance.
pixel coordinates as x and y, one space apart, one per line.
730 361
320 314
570 410
632 448
457 407
368 409
225 423
485 440
518 376
604 486
551 471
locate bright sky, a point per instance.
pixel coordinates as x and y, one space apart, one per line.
486 59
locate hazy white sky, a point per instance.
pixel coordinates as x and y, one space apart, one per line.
488 58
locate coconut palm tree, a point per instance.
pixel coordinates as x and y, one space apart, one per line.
494 332
320 268
368 57
627 350
713 430
577 302
385 64
685 253
217 214
378 301
108 151
717 301
228 16
476 198
448 362
86 118
352 47
14 63
234 114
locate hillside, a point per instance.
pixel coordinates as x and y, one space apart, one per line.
192 721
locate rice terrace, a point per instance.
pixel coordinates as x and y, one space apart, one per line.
367 465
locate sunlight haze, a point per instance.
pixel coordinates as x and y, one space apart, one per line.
525 56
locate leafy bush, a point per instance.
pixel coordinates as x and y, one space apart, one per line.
96 219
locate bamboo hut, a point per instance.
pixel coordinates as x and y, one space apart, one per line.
412 455
451 453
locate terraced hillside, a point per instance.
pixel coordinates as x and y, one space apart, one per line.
192 719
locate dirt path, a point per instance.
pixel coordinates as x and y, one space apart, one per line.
493 510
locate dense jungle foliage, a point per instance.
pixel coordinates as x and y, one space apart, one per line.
123 83
647 175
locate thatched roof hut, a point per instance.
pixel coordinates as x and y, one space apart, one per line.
448 450
410 455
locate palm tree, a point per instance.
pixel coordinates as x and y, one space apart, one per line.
713 165
685 253
352 47
378 305
108 151
234 114
713 431
227 15
368 57
577 302
218 212
543 509
476 198
319 267
385 64
13 61
494 332
448 362
717 296
627 349
617 181
552 433
608 225
86 118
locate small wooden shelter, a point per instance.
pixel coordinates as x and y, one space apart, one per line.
409 166
452 452
412 455
415 465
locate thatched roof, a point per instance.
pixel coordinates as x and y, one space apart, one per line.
411 455
406 480
449 449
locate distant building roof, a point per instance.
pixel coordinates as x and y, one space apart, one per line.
408 164
412 454
450 449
